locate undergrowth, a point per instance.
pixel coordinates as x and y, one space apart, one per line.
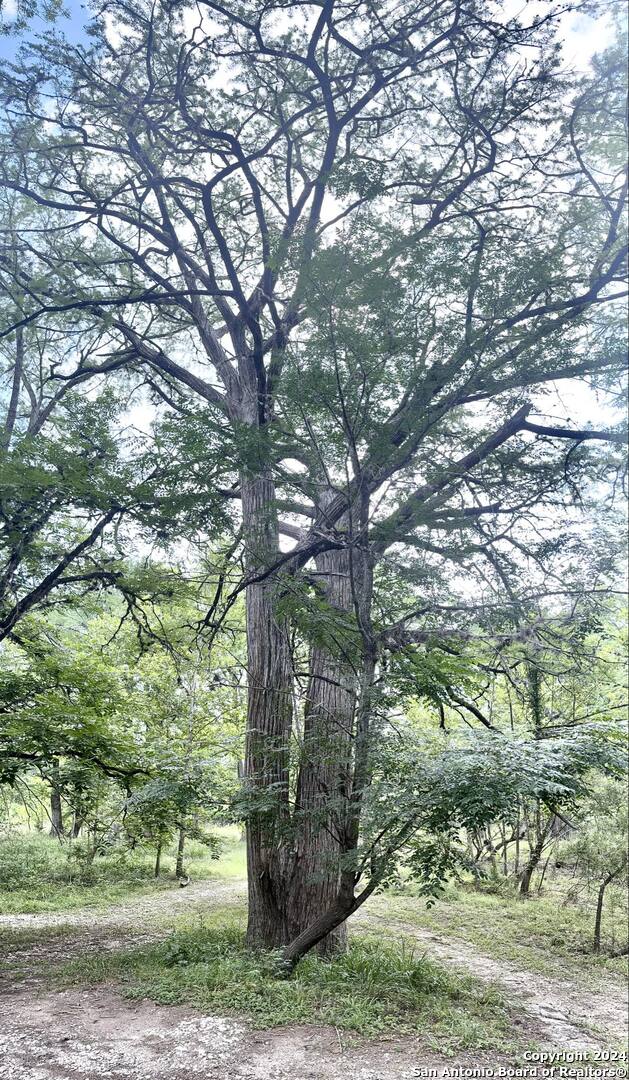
40 874
376 987
540 934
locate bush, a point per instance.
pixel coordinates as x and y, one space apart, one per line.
37 873
30 858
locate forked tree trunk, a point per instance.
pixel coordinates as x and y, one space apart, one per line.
323 780
269 720
536 840
294 879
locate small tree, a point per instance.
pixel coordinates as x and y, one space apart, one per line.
601 848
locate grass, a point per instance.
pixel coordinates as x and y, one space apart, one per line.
38 874
375 988
540 934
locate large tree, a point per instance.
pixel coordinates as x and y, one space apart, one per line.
356 241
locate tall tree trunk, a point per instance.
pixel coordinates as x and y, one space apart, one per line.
56 812
346 901
181 844
543 874
516 868
323 781
599 915
269 720
77 825
158 859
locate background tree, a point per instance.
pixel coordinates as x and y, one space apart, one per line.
106 721
600 850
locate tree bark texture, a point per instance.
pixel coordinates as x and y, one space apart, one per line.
56 812
269 719
323 780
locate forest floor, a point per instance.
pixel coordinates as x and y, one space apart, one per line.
89 1032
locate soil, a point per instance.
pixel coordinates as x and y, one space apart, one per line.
93 1034
563 1014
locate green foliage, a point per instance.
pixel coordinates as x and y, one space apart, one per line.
65 702
600 846
393 357
428 797
38 874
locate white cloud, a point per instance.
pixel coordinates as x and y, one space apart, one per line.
8 10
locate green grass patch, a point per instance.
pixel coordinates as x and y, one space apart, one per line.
39 874
374 988
538 934
45 898
231 864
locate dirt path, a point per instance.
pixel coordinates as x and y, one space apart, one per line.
86 930
564 1014
94 1034
170 902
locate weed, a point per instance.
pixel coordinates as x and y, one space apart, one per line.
374 988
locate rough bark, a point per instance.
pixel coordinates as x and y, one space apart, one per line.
181 844
322 784
532 864
56 812
269 720
346 901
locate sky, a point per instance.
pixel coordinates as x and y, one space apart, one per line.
583 35
72 25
